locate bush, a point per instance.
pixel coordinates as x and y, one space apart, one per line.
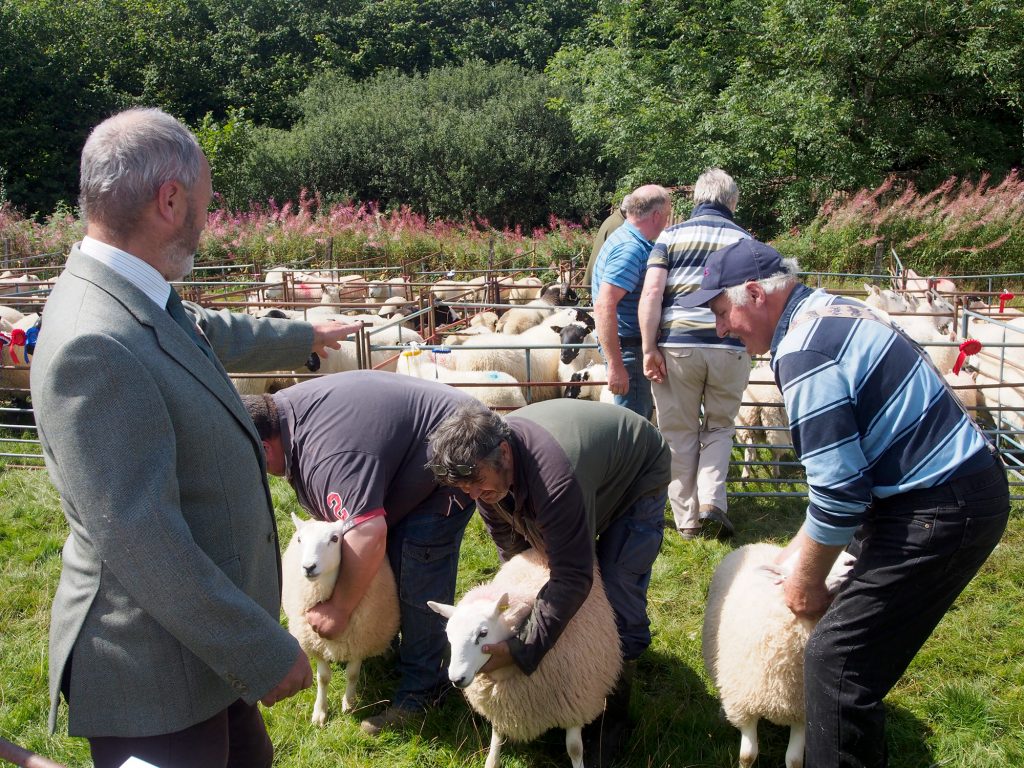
959 228
474 141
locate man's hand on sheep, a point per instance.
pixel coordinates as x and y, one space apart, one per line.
300 676
327 620
805 590
329 335
500 657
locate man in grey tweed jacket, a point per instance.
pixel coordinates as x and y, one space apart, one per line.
165 627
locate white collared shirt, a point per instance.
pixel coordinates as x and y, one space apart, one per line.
131 268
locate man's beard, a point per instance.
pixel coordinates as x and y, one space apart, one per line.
180 255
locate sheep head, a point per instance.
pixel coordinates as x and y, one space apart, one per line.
321 546
472 624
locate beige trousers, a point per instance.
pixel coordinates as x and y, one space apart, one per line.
697 406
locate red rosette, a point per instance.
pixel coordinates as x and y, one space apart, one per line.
967 348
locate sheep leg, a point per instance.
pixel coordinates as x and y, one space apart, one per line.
574 745
748 741
494 754
749 455
323 679
797 741
351 680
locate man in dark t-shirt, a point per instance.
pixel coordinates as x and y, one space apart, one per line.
575 480
354 447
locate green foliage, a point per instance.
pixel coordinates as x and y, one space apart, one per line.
799 98
957 228
958 705
474 141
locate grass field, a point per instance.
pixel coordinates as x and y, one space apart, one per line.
961 704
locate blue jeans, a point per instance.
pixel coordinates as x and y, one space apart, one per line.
423 550
626 550
639 398
917 552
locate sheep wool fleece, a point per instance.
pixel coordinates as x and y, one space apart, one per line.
569 687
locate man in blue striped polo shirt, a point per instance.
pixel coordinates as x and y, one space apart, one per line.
895 468
618 279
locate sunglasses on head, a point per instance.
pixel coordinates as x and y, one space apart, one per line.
442 471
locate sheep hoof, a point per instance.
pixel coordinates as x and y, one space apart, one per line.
319 717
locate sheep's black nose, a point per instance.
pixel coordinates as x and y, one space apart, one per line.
309 569
462 682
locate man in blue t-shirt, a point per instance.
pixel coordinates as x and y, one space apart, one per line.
354 448
618 280
896 469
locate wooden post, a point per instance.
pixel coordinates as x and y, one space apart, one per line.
12 753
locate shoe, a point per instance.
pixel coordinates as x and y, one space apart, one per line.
715 523
689 534
604 738
392 718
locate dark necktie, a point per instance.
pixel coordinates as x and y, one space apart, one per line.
178 314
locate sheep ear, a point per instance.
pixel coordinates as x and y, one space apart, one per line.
500 605
771 572
516 614
297 520
557 328
871 288
441 608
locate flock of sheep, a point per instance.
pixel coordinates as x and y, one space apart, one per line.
753 645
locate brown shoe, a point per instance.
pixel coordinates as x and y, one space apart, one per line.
715 523
689 534
392 718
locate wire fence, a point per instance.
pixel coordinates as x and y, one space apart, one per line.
762 465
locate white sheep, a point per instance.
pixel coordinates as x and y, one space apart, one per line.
310 571
885 299
503 390
753 645
568 688
593 372
762 418
384 333
10 315
470 356
519 319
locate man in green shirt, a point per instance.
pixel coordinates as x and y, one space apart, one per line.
575 480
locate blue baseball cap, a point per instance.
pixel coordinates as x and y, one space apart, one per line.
735 264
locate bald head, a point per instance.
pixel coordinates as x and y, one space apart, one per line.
645 200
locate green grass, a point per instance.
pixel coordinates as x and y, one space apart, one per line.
960 705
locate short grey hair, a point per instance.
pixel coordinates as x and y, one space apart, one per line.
470 435
125 160
717 187
645 200
780 281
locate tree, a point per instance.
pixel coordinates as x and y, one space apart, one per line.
476 140
798 98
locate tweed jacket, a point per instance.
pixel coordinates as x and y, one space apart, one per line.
168 606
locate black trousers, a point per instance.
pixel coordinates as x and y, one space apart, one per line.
235 737
917 552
